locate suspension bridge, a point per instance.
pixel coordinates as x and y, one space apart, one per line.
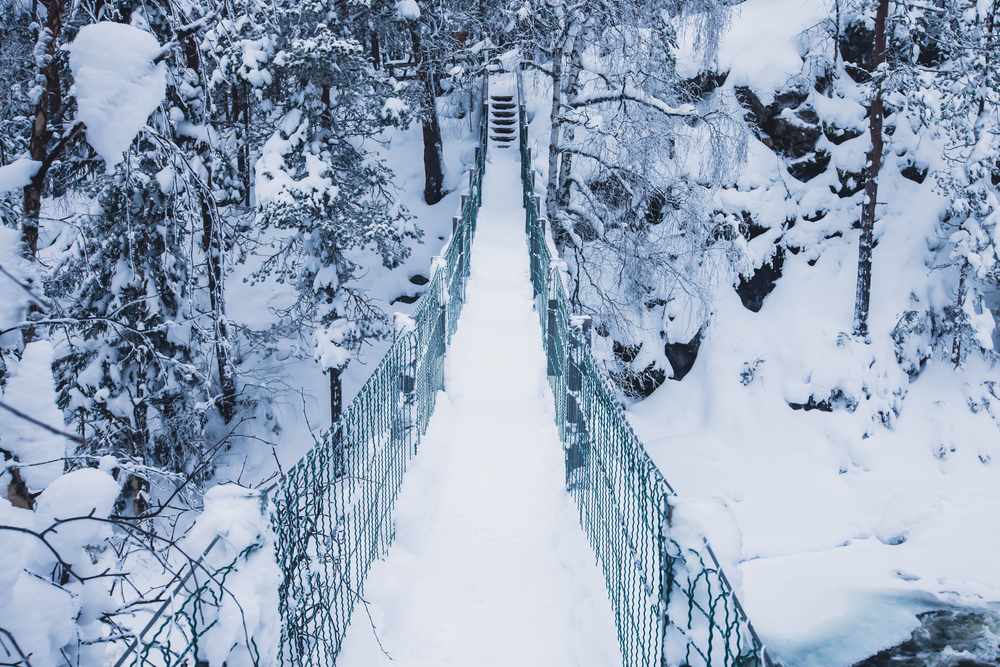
512 479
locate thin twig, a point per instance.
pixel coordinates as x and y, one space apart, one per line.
27 288
51 429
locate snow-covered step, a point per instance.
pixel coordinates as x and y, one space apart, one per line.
504 105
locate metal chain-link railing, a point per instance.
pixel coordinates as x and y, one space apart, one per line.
333 510
672 607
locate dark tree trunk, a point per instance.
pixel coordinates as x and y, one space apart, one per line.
241 115
433 150
17 491
376 51
963 291
871 180
48 102
336 395
211 244
552 185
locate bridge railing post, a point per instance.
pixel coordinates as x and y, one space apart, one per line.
577 432
401 325
552 346
537 238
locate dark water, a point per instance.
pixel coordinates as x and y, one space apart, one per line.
946 639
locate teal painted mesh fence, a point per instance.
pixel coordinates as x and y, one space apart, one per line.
672 602
332 510
332 514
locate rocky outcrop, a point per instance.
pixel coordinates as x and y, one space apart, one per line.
683 355
788 125
754 290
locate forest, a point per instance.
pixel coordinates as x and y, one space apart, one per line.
780 216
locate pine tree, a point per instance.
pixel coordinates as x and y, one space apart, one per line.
970 125
318 187
132 372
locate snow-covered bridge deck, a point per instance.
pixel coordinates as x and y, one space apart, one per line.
489 565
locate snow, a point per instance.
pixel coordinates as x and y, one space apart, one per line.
117 84
762 52
31 390
241 518
489 565
407 10
329 351
18 174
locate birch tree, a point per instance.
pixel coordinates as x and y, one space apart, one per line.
627 211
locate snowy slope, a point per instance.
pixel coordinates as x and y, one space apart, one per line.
301 391
849 526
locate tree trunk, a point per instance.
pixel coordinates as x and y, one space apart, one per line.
963 291
40 135
211 244
555 139
572 90
871 180
433 149
336 395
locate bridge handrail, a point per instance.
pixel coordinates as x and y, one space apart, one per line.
331 512
671 606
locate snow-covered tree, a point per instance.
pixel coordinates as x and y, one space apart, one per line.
317 187
144 364
970 125
628 200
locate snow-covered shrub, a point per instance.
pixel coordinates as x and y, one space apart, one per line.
227 614
53 562
134 372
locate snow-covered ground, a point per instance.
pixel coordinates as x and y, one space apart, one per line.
849 528
489 565
301 407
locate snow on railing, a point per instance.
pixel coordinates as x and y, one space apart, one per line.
331 513
672 607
